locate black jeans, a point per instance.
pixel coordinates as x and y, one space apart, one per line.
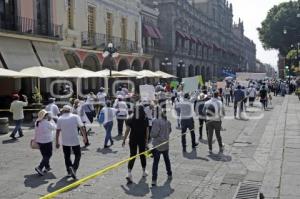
201 124
187 124
133 151
46 151
67 154
236 106
227 97
120 125
156 156
211 127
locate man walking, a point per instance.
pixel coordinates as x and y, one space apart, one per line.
122 113
16 108
187 121
67 126
239 96
214 111
52 109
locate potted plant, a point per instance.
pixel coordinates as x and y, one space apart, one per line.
37 98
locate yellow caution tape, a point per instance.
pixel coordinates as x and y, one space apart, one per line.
103 171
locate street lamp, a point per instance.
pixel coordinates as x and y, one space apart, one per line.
166 63
180 66
111 52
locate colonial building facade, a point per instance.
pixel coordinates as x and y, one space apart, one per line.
199 37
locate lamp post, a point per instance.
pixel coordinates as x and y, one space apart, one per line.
166 63
180 66
111 52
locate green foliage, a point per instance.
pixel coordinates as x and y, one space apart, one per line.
280 17
37 97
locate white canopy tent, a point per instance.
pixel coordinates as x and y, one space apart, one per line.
130 73
13 74
164 75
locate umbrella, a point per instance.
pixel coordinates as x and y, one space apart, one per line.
147 73
44 72
13 74
229 78
164 75
81 73
106 73
130 73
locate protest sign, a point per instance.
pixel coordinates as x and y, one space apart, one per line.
147 92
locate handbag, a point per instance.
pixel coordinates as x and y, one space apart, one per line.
34 144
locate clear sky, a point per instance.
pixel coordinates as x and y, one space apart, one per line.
253 12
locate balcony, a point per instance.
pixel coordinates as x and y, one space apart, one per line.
152 49
31 27
100 41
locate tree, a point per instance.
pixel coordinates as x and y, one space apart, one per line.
281 17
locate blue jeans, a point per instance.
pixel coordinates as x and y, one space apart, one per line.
156 156
18 128
108 128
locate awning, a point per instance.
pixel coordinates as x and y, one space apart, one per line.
150 32
181 34
187 36
195 40
130 72
200 41
158 33
51 55
17 53
148 73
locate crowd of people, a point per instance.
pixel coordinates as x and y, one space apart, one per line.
146 120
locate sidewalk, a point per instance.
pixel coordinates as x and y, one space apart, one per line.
282 173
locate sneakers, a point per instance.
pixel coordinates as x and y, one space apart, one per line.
39 171
73 173
13 137
145 174
210 152
195 145
47 170
21 135
154 183
129 178
222 148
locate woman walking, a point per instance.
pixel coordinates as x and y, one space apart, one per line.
160 133
109 113
138 131
44 128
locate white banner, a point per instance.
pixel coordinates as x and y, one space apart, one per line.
147 92
190 84
250 76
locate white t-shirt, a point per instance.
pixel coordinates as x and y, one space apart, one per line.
109 114
101 97
121 107
53 110
252 92
68 124
16 108
149 115
44 131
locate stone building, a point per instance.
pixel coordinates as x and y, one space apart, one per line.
199 37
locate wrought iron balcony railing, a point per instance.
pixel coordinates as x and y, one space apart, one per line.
27 26
99 40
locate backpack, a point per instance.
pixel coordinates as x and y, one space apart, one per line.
101 117
210 110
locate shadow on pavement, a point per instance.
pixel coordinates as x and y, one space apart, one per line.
35 180
163 191
65 181
118 138
106 151
193 155
139 190
10 141
220 157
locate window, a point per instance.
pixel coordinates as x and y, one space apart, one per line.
71 14
91 22
109 24
136 33
124 29
43 11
